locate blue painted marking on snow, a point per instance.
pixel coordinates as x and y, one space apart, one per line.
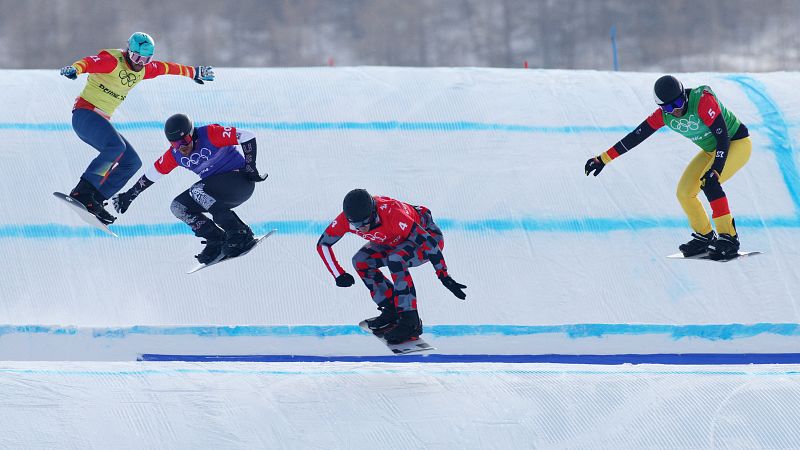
776 128
36 329
456 126
661 358
714 332
333 370
349 126
315 228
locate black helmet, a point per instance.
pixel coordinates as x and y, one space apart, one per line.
667 89
359 207
178 126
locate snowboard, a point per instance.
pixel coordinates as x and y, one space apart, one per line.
224 258
83 213
707 257
413 346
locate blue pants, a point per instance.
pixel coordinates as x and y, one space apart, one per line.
117 161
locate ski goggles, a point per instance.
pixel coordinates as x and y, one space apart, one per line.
139 59
363 222
186 140
678 103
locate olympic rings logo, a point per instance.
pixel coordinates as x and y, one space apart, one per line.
127 78
684 125
196 158
374 237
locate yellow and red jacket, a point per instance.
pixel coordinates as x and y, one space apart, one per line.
111 78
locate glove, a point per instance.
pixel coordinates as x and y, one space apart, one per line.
454 287
69 72
345 280
255 177
203 73
595 164
251 173
122 201
710 177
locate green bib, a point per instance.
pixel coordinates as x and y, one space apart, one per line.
107 90
691 127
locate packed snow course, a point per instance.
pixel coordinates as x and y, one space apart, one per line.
559 268
556 263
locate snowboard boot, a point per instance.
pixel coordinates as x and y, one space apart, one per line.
211 252
698 245
214 240
88 196
238 241
724 247
388 317
408 328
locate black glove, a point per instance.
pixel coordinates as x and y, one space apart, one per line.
122 201
345 280
251 173
595 165
710 177
454 287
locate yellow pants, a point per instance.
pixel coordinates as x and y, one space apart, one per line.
689 186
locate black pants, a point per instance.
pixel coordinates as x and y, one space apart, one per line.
218 195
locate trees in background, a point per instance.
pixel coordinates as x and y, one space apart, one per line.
675 35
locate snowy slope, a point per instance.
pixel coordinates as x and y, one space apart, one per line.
396 406
555 262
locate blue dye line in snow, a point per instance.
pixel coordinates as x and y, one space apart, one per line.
713 332
349 126
315 228
391 369
776 128
382 126
661 358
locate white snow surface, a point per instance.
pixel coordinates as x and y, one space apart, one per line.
496 154
561 274
396 406
555 263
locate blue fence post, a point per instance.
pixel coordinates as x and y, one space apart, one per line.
614 46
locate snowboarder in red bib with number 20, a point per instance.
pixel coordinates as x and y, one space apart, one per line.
225 160
400 236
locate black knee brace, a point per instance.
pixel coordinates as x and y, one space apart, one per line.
713 190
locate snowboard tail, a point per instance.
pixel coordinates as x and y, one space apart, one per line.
84 213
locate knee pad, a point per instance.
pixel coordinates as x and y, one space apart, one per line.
713 190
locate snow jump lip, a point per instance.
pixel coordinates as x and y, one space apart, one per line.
760 343
658 358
